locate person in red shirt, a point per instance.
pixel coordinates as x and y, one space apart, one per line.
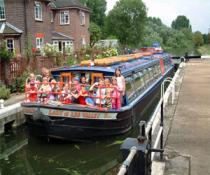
81 96
32 92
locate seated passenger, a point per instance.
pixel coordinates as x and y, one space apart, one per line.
31 78
109 90
84 82
81 95
76 84
32 92
66 96
54 90
100 92
116 94
45 90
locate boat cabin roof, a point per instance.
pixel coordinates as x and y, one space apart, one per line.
126 67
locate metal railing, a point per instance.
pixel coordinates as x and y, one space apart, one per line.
148 131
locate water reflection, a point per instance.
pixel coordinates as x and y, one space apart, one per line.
24 155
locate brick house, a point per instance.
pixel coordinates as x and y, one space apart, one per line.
63 23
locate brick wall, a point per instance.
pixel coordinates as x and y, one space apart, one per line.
15 15
34 27
74 29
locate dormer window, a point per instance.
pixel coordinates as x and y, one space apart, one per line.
64 17
38 11
82 18
2 10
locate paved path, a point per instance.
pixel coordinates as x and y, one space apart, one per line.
15 98
190 132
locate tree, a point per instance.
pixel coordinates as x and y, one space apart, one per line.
205 38
95 33
98 9
126 21
181 22
209 38
198 38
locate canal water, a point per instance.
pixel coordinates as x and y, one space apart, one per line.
22 154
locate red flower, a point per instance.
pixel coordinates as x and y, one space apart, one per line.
34 50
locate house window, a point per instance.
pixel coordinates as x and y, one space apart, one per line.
62 46
2 10
82 18
64 17
38 11
10 45
39 43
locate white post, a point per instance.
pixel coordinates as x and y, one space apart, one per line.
127 162
173 92
1 103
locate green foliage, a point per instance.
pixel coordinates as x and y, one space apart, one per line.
205 38
126 21
4 92
181 22
49 50
98 9
174 41
71 60
198 38
18 84
110 52
95 33
5 55
28 50
204 50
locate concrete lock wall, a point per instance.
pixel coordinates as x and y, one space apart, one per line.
12 114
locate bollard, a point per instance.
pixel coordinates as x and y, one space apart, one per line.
141 161
142 131
1 103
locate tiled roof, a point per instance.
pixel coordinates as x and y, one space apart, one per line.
60 36
59 4
7 28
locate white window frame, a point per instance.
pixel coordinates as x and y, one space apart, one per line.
83 41
13 45
38 11
82 18
39 42
68 43
63 15
2 11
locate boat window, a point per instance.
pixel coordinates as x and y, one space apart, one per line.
139 82
130 90
65 77
146 75
155 71
150 71
95 77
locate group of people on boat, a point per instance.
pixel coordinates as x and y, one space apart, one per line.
107 92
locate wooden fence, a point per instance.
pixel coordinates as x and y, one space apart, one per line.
16 67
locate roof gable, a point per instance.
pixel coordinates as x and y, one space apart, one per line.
59 4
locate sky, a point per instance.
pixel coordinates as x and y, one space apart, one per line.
197 11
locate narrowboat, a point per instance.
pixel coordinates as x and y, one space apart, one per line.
143 73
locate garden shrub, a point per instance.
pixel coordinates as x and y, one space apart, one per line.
4 92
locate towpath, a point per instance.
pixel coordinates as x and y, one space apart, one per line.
189 136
